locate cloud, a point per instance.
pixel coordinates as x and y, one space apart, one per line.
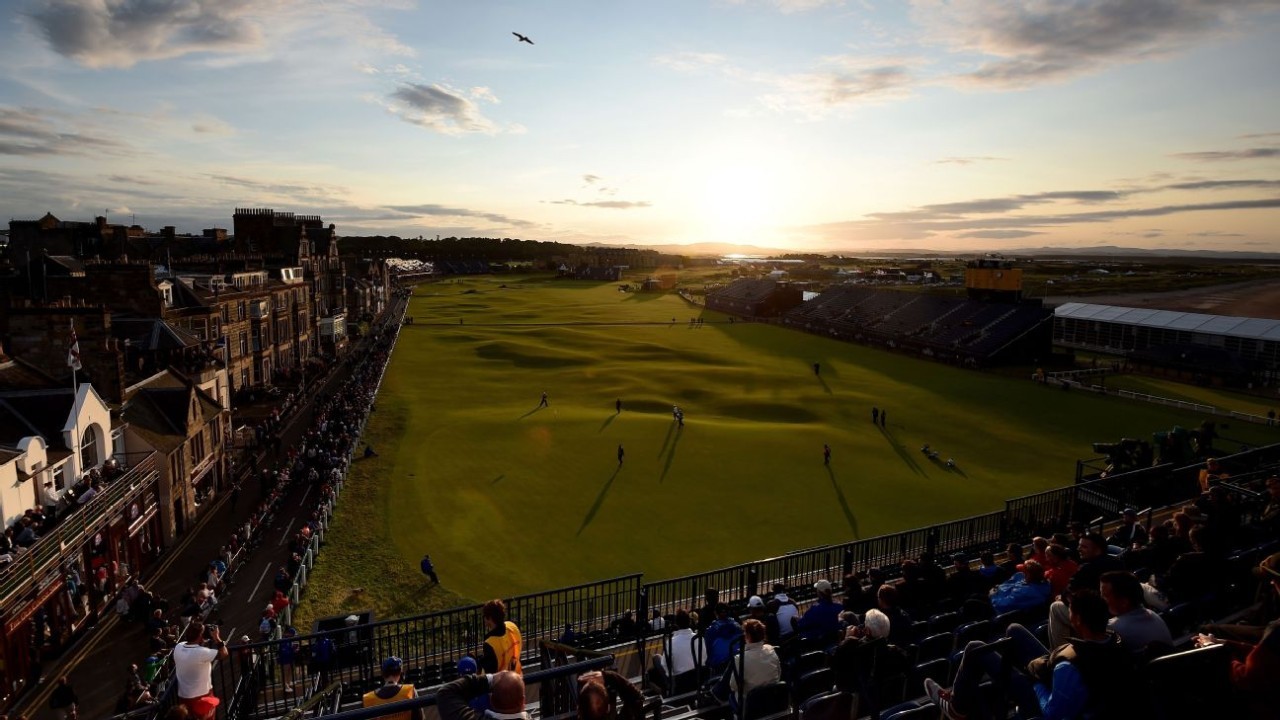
967 159
1215 234
688 61
1256 153
294 191
794 6
611 204
1222 185
1036 41
122 33
838 83
439 108
484 93
35 132
444 211
1258 136
590 179
999 234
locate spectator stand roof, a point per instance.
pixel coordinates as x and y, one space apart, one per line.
1227 326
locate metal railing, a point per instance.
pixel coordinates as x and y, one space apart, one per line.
31 567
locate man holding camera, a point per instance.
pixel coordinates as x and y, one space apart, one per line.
193 666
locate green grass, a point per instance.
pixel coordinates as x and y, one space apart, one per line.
1217 397
509 498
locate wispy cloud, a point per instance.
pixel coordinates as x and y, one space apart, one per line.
967 159
456 212
999 234
441 109
37 132
1027 43
793 6
1255 153
298 192
610 204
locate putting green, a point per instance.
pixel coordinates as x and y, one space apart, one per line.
509 497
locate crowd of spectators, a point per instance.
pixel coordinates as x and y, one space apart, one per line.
1074 622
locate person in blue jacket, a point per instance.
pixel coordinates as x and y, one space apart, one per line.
822 618
1027 590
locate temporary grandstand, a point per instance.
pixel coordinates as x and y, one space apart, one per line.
754 298
963 331
1234 350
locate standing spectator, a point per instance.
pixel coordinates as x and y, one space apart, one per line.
193 666
502 643
63 700
392 691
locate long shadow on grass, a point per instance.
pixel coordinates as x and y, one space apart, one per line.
902 452
595 507
825 386
844 504
671 455
671 430
606 422
536 409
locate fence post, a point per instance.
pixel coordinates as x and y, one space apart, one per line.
847 563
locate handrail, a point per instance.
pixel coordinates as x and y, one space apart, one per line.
314 700
531 678
47 551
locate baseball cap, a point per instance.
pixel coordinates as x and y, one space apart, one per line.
755 601
1128 511
1269 569
467 666
351 619
392 665
822 586
204 706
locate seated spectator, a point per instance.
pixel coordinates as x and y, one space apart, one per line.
1078 679
506 697
1094 561
759 611
899 620
392 691
599 694
1060 568
1193 574
1131 534
989 573
1258 674
962 583
707 613
760 664
1137 626
822 618
681 660
1026 590
719 637
786 611
623 626
1012 559
1039 549
854 658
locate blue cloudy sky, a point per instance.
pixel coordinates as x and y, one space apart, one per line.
812 124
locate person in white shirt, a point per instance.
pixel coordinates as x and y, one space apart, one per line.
786 611
193 664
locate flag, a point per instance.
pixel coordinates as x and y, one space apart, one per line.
73 352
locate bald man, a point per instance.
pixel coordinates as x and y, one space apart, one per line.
599 693
506 697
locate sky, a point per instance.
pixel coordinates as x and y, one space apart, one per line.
826 125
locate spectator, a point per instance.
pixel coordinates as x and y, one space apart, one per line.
193 666
1060 568
1027 590
1257 676
822 619
963 582
503 642
758 611
899 620
64 701
760 664
506 697
707 613
1094 561
1130 534
719 637
989 573
657 623
599 693
1012 559
1137 626
786 611
392 691
1077 679
1039 549
854 658
1193 575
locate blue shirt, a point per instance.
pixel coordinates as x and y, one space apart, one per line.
1068 697
1014 594
821 619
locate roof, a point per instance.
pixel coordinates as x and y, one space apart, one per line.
18 374
158 410
153 334
67 263
1227 326
42 413
746 289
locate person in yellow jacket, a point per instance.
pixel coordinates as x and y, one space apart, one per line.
502 643
392 691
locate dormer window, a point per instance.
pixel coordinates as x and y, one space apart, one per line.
166 291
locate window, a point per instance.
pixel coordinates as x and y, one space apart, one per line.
60 477
226 315
240 311
88 449
244 344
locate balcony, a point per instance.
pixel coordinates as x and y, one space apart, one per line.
40 565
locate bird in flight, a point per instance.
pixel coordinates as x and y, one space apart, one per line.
522 38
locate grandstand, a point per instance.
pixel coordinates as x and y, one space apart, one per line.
1231 350
1177 683
754 298
463 267
964 331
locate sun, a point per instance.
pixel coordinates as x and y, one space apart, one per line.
736 202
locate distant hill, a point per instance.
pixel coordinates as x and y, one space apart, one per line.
1097 251
703 248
